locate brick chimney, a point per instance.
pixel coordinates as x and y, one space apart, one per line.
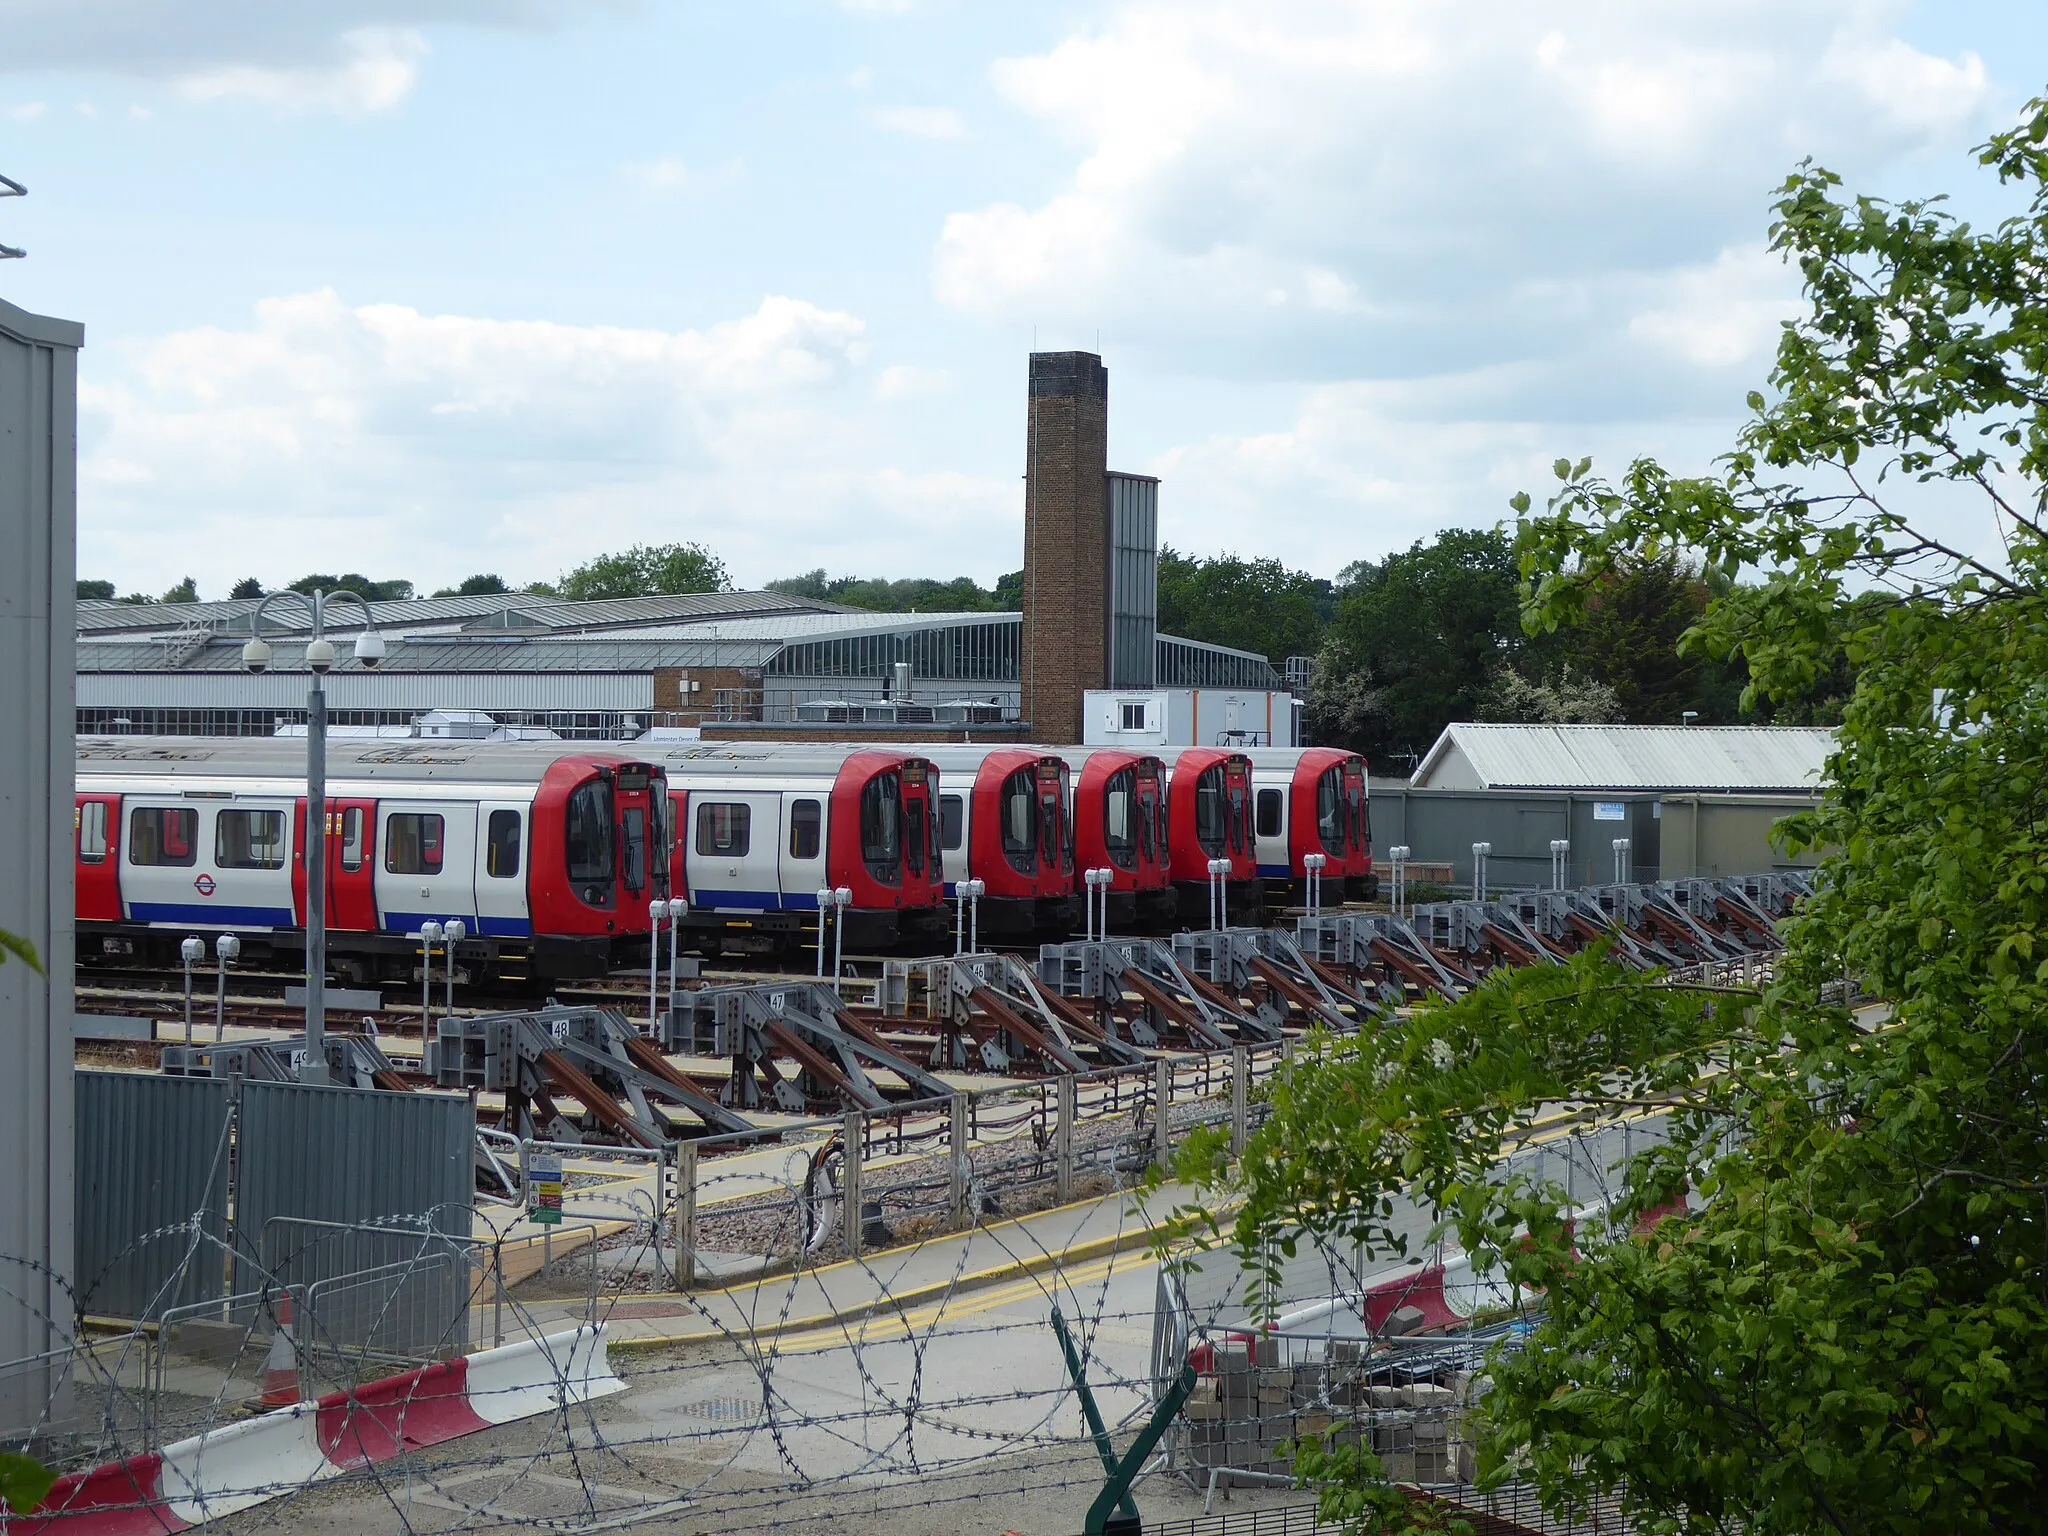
1066 541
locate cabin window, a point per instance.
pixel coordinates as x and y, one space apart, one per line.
163 834
1119 818
1020 824
914 835
587 835
724 829
92 832
1330 811
881 827
248 840
413 842
634 839
352 821
952 821
1210 831
1270 809
806 828
501 845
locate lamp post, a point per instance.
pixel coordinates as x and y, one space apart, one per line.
825 907
1621 870
973 890
1560 858
1480 854
191 951
453 932
842 899
429 932
256 657
225 948
1397 856
657 913
1312 883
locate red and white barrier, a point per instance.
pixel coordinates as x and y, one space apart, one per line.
244 1464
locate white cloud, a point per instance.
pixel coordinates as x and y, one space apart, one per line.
432 446
1723 314
904 382
670 174
27 111
920 122
376 70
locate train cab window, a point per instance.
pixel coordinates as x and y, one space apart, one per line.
1165 847
1019 823
725 829
1270 808
501 845
952 821
881 828
163 834
806 823
413 843
914 836
1330 817
1239 821
587 836
92 832
1120 818
1210 830
248 840
634 841
352 822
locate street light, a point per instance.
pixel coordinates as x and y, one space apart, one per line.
1480 853
1312 883
257 656
192 951
842 899
657 913
429 932
824 908
225 948
453 932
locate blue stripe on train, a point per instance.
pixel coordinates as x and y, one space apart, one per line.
211 914
710 900
1275 871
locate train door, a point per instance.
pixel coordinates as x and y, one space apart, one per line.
679 842
803 846
501 860
351 871
252 885
638 794
735 840
1271 818
96 824
956 816
425 862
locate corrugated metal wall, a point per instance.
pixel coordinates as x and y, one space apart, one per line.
311 1156
370 690
38 538
1133 580
153 1153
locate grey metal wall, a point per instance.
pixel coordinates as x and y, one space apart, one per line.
1133 580
1441 825
153 1153
38 569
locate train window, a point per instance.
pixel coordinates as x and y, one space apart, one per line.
1050 829
1330 817
634 839
92 832
1269 813
881 832
501 845
1020 826
587 838
806 822
352 839
413 843
248 840
725 828
1165 848
952 821
913 836
931 837
1210 831
1238 819
1119 832
163 834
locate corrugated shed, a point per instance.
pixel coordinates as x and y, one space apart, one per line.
508 688
1672 758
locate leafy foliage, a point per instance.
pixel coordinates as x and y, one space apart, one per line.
20 949
916 594
1850 1332
647 570
186 591
475 586
248 586
103 590
24 1482
369 591
1250 605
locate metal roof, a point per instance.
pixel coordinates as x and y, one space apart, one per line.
1678 758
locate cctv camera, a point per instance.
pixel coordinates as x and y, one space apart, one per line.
369 648
256 655
320 655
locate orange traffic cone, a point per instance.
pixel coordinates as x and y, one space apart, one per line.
281 1369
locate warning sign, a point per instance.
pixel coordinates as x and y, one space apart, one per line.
544 1189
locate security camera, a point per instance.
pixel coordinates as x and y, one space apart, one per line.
369 648
256 656
320 655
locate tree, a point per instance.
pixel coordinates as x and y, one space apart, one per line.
1416 642
186 591
1850 1331
1251 605
647 570
101 590
914 594
248 586
354 581
1627 637
475 586
1569 700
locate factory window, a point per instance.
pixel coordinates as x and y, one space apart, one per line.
724 829
92 832
352 839
412 843
501 845
951 821
1270 808
1133 715
162 834
248 840
806 821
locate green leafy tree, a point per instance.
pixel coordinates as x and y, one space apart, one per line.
647 570
248 586
1250 605
914 594
1849 1332
102 590
186 591
1627 637
475 586
354 581
1010 592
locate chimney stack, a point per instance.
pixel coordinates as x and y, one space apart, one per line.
1066 541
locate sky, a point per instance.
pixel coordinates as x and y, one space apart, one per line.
428 288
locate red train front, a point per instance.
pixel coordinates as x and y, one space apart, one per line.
1121 824
1209 816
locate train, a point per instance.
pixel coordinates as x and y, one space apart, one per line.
549 852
